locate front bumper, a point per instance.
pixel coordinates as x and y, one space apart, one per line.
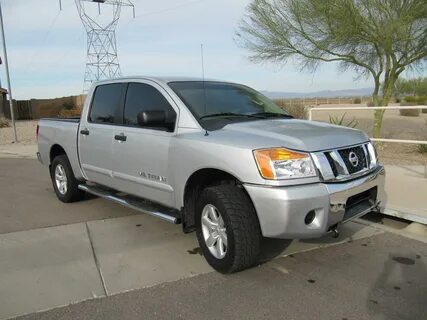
282 210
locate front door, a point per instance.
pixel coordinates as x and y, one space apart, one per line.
96 132
141 153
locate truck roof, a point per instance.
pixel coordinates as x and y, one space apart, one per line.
163 79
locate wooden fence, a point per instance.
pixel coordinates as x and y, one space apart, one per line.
41 108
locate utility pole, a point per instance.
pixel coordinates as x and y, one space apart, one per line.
6 64
102 60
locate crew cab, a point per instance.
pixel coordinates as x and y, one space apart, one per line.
217 157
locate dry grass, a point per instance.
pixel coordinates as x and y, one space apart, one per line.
409 112
67 113
297 111
4 123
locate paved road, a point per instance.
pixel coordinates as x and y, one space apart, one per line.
28 201
382 277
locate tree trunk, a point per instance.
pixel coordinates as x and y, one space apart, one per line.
378 115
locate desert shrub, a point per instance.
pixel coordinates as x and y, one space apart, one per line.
67 113
409 112
4 123
357 101
398 100
68 105
372 104
422 148
297 111
341 121
410 99
422 99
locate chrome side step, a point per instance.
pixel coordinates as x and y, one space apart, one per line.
132 202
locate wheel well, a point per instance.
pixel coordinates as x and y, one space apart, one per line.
55 151
194 186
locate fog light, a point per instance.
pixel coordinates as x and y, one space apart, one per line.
309 218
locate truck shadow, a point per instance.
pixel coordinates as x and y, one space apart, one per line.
271 248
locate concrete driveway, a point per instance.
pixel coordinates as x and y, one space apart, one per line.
54 254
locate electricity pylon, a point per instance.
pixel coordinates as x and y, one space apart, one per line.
102 61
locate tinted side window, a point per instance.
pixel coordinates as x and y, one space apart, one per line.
143 97
106 104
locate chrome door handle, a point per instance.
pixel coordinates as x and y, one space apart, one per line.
84 132
120 137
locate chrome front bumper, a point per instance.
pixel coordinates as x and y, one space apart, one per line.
282 211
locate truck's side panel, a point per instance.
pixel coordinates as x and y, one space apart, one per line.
64 134
96 134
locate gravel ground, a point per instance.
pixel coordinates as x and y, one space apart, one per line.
394 126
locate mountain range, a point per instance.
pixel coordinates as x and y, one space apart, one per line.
319 94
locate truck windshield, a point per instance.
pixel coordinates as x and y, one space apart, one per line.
212 100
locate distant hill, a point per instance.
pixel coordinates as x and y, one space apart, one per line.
319 94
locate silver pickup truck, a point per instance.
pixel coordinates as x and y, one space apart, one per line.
217 157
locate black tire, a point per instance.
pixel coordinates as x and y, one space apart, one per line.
241 223
73 193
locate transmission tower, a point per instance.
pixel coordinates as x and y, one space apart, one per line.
101 62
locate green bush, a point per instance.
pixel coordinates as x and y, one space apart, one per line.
409 112
410 99
340 121
422 148
4 123
421 100
357 101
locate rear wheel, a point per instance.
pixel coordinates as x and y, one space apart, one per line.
64 182
227 228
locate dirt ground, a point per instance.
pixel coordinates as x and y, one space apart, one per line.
25 130
395 126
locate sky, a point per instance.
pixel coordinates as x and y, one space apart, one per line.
47 47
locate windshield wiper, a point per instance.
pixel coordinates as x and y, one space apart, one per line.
272 115
225 114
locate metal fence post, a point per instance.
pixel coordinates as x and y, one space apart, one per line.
6 64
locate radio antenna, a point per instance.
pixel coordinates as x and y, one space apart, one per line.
203 63
203 81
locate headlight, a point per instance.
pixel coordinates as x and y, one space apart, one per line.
281 163
373 158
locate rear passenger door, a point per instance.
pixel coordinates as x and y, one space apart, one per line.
142 158
96 132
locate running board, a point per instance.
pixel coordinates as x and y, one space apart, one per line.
132 202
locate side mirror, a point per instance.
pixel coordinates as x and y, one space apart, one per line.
153 118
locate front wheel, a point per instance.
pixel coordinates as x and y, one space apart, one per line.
64 182
227 228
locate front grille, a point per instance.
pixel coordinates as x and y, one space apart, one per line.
331 163
359 154
343 164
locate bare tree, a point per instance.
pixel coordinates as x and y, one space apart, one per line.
375 38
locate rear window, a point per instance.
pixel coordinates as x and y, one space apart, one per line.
106 104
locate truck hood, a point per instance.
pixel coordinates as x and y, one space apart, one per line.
295 134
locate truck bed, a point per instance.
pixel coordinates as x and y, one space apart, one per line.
59 132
